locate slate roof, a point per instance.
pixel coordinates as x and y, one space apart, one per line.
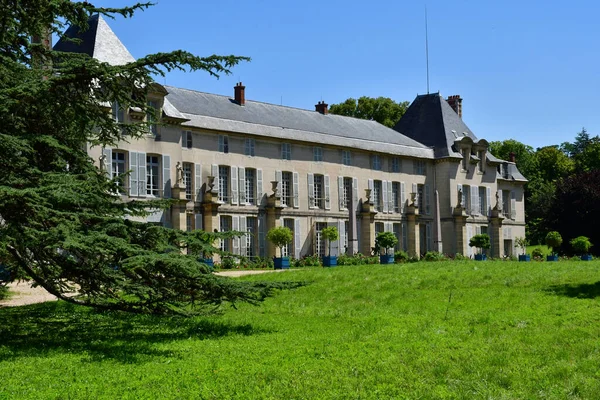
211 111
98 41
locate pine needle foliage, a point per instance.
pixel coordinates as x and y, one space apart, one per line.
62 222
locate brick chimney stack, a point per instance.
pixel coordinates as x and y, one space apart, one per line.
239 93
456 103
321 107
512 157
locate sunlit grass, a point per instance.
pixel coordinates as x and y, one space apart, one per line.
425 330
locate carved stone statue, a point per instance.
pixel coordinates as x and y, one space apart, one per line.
497 207
368 195
211 183
179 174
413 199
460 196
103 163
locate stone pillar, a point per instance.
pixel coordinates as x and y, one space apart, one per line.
273 218
460 230
352 228
367 224
178 209
412 231
496 233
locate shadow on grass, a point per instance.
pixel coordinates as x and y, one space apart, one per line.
60 327
580 291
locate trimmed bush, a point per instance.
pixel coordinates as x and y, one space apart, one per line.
581 245
385 240
553 240
537 253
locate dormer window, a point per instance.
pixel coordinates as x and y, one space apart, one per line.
466 154
152 117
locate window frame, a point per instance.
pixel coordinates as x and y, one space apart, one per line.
376 162
188 180
286 151
319 189
249 147
347 157
317 154
287 188
153 181
224 192
186 140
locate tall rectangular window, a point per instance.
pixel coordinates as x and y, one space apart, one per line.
378 195
286 188
395 164
286 151
319 239
118 113
421 199
186 140
317 154
319 190
419 167
506 203
152 116
376 162
249 147
223 183
187 180
396 196
189 222
346 157
288 249
223 144
225 222
118 169
397 229
152 176
347 192
483 206
252 229
250 186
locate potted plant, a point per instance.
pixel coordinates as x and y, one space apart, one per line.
553 240
582 245
330 234
481 241
385 241
280 237
522 243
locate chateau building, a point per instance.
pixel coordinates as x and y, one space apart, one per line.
236 164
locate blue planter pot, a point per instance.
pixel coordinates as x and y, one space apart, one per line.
524 257
586 257
4 273
209 263
386 259
480 257
551 258
281 262
329 261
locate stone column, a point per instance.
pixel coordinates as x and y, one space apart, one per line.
460 230
367 224
178 209
273 219
496 233
412 231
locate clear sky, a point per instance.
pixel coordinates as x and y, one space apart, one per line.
527 70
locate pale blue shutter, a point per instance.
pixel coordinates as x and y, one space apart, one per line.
297 238
166 164
243 195
133 174
296 189
234 185
142 176
235 221
198 182
214 169
384 195
327 199
278 178
259 186
341 193
402 197
311 190
513 205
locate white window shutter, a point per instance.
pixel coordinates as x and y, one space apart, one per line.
513 205
342 238
355 191
415 190
500 201
278 178
133 174
327 198
261 235
198 182
334 246
215 172
107 153
221 143
390 197
474 200
243 196
142 174
311 190
488 198
372 187
341 193
235 220
478 230
198 222
384 196
259 186
296 190
427 199
297 238
243 239
402 196
234 185
166 164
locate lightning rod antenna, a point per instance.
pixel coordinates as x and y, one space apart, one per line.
427 48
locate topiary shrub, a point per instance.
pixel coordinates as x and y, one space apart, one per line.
280 237
481 241
330 234
581 245
386 241
553 240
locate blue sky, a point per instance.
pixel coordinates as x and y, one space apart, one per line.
526 70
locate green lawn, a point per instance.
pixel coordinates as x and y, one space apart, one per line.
466 330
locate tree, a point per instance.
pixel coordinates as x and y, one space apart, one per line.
524 155
280 236
553 164
481 241
62 223
331 234
381 109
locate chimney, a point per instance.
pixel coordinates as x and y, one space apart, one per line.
321 107
512 158
239 93
456 103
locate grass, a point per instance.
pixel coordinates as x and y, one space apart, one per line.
452 330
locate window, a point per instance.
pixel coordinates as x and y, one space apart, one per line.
395 164
186 139
317 154
481 164
286 151
225 222
250 186
318 197
465 159
152 176
346 157
187 180
377 195
466 201
376 162
397 230
506 203
152 116
347 192
118 113
483 206
379 227
319 239
286 189
223 144
288 249
421 199
251 228
396 196
419 167
223 183
189 222
118 169
249 147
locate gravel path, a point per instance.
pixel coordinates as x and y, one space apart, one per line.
21 293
